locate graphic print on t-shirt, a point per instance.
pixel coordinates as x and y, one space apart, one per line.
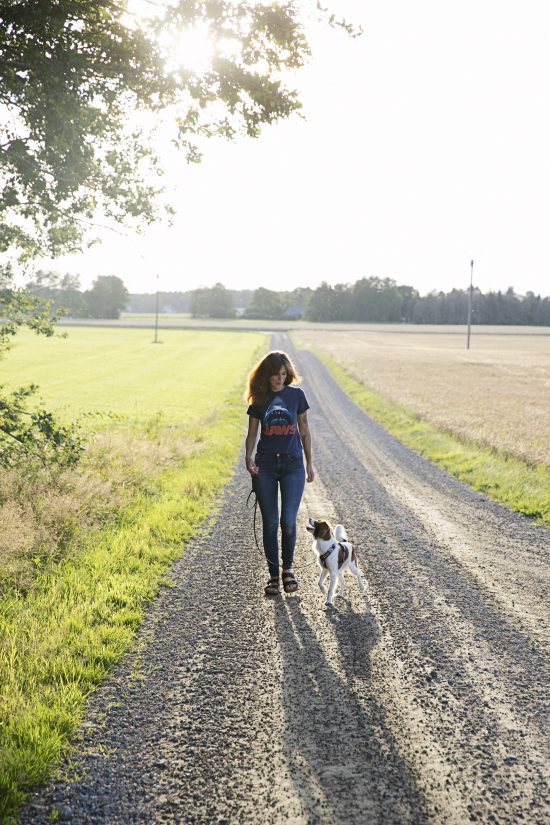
278 419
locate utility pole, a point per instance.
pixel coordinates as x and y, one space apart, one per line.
470 303
157 315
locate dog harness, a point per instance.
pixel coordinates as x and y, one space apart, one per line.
343 553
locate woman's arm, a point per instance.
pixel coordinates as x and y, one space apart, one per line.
250 443
305 435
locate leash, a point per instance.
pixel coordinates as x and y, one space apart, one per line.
253 492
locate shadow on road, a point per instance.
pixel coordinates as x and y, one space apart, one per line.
342 758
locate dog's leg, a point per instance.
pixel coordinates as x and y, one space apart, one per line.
332 587
322 578
341 585
358 575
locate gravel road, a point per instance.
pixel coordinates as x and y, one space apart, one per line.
425 701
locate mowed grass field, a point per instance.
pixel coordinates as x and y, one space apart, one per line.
121 371
82 550
496 394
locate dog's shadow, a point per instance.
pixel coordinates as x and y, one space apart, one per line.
341 755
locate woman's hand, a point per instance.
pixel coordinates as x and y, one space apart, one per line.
310 472
251 467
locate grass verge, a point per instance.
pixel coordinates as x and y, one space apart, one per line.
60 639
511 482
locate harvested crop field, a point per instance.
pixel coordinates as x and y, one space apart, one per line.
495 394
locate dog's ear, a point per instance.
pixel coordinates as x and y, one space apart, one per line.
323 530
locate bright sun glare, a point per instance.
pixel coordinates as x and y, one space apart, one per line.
193 49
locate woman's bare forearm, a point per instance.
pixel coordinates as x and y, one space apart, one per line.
249 445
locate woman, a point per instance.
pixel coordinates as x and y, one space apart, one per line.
281 410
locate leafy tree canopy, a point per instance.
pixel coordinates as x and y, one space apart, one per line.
107 297
76 79
265 303
75 73
212 302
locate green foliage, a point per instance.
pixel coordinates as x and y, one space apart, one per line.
29 432
377 300
107 297
265 303
212 302
62 291
34 433
329 303
74 74
19 309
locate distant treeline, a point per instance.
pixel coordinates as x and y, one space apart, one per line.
383 301
107 298
368 300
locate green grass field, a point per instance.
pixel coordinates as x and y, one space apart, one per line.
122 371
77 615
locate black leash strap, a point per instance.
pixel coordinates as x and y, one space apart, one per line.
253 493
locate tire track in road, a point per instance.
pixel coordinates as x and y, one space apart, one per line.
425 702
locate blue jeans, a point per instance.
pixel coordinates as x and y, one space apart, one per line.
285 471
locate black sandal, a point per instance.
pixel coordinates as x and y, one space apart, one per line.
272 587
290 585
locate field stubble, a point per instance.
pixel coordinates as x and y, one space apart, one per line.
497 394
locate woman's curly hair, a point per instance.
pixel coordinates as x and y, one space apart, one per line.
257 385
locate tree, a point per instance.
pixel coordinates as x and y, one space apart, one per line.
29 431
107 297
321 306
19 308
409 295
73 77
212 302
265 304
63 291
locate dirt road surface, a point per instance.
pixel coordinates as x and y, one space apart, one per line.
425 701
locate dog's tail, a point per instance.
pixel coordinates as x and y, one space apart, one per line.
340 533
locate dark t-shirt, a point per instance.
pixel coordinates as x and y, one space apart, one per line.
279 421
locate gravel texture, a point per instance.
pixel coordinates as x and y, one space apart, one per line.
426 701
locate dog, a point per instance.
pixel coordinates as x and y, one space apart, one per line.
334 555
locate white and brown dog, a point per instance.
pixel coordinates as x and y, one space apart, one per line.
334 555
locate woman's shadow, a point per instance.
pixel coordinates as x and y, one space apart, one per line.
342 758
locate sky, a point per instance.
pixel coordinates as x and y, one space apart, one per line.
424 146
